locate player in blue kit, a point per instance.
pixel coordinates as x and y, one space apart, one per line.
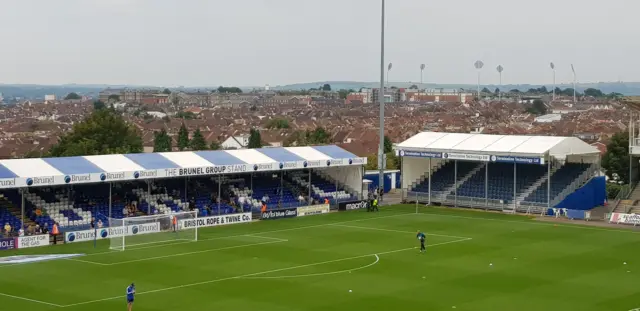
422 239
131 291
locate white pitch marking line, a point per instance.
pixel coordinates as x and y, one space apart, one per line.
261 273
32 300
400 231
86 261
186 253
574 226
254 234
316 274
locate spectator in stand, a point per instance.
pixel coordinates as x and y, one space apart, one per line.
45 229
125 211
31 230
7 229
38 212
301 199
38 230
100 224
20 232
265 198
93 223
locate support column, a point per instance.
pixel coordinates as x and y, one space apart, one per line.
455 183
110 204
429 181
514 186
282 186
362 197
149 191
22 208
309 200
548 182
486 186
186 199
219 190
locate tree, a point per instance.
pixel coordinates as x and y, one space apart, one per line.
388 145
413 87
515 91
183 137
161 142
391 163
72 95
103 132
98 105
278 124
486 90
319 136
616 160
114 97
593 92
253 108
497 91
233 90
215 145
538 107
255 141
343 94
326 87
166 91
197 141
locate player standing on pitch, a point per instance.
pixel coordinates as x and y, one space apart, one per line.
131 291
422 239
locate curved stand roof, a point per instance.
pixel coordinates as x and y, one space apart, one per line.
118 167
486 147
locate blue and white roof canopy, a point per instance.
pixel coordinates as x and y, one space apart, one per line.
119 167
492 148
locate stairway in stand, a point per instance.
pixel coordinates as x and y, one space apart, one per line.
15 211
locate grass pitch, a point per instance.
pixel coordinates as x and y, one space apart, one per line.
347 261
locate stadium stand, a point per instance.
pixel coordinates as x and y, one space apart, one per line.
71 191
486 165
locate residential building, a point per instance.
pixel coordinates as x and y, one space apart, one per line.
236 142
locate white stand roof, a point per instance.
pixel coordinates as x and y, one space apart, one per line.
498 145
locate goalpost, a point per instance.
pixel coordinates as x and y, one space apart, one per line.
154 229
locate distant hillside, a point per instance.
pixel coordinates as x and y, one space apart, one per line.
626 88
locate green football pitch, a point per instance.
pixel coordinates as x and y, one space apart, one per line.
346 261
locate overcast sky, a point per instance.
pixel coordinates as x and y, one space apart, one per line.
258 42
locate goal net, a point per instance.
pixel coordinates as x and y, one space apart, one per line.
135 231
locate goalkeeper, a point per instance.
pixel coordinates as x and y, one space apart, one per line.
422 239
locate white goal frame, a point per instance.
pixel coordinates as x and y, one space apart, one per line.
151 227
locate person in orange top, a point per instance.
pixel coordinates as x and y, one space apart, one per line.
326 201
55 232
174 221
264 208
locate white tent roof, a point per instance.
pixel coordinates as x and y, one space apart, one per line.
505 145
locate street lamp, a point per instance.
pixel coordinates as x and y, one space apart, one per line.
422 67
574 83
478 65
381 99
500 69
553 68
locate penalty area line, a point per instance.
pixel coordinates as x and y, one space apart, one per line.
248 276
32 300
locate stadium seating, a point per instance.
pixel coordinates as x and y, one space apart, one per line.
560 179
443 178
500 181
320 187
6 216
